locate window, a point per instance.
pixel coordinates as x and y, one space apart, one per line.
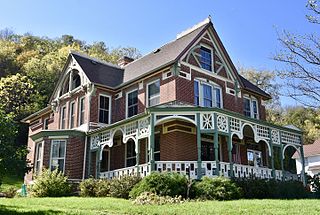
46 123
58 150
205 58
38 160
207 95
154 93
157 147
254 158
63 117
104 106
132 103
207 151
72 114
130 153
81 111
76 81
250 107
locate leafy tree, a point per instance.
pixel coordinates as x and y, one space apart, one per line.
302 55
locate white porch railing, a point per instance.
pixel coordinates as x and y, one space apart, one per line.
209 169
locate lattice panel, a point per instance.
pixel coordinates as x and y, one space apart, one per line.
222 123
290 138
144 127
275 137
105 137
235 125
94 142
262 132
131 128
206 121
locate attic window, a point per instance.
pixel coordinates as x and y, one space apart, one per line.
156 51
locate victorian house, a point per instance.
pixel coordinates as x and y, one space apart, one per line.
181 108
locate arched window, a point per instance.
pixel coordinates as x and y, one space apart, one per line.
65 87
76 81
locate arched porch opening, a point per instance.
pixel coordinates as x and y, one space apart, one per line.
289 164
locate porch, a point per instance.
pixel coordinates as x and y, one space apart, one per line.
192 141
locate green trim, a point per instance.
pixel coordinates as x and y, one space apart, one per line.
273 173
222 111
231 173
97 163
303 173
138 157
216 145
54 133
281 161
151 138
89 162
199 161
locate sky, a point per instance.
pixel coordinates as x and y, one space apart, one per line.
247 28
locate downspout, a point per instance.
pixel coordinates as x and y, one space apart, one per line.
91 91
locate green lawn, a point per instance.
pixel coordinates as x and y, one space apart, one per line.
77 205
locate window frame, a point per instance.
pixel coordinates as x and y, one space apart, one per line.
37 169
251 100
58 158
147 92
212 58
126 153
127 102
214 87
81 119
63 117
46 123
72 122
109 110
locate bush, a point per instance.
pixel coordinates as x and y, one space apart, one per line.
147 198
162 184
10 192
254 188
121 187
219 188
51 184
95 188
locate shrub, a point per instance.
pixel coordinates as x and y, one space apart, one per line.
120 187
51 184
219 188
95 188
162 184
10 192
102 188
148 198
254 188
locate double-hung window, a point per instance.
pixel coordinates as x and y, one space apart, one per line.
81 110
130 153
72 114
46 123
38 159
63 117
250 107
206 58
154 93
207 95
132 103
58 152
104 109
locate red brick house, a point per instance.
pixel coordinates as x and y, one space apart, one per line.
181 108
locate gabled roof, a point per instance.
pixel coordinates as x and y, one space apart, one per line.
309 150
99 72
165 55
253 88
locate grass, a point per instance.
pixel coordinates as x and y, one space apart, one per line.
14 181
77 205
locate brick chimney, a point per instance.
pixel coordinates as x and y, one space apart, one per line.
124 61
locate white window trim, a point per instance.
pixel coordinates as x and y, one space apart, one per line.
44 123
127 100
254 151
251 99
212 58
74 110
213 93
79 110
125 154
110 101
147 91
165 74
65 115
41 158
65 152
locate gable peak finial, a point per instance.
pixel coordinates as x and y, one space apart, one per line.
198 25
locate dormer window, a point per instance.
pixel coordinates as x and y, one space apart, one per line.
207 94
250 107
76 81
206 58
71 82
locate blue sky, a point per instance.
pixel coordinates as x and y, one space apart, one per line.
247 28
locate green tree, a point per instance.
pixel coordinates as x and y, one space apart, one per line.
302 55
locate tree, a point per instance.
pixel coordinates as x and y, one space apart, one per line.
302 55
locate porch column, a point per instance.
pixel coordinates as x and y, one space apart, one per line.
216 145
89 162
303 175
199 161
98 162
273 173
151 143
231 173
281 157
137 149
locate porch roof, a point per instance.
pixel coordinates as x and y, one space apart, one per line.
55 133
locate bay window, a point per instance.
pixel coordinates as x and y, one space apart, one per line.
132 103
153 93
104 109
207 95
58 151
